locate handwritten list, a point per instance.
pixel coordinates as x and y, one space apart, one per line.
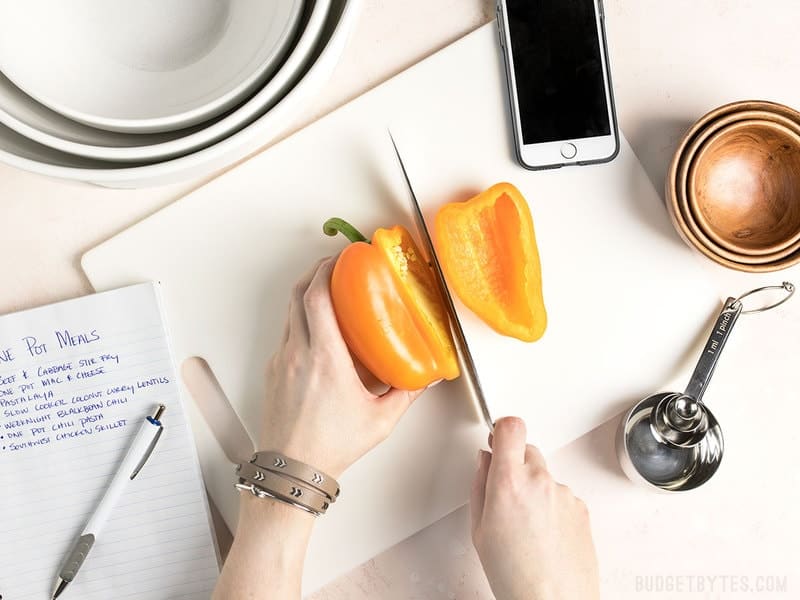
76 380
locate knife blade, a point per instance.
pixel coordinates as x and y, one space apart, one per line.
465 359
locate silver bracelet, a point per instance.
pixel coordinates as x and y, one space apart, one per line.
262 493
301 472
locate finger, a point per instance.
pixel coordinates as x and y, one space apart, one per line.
371 383
393 404
478 495
285 334
318 305
534 458
508 443
297 326
565 491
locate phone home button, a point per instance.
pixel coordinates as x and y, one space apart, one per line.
568 150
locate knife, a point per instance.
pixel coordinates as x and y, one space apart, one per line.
465 359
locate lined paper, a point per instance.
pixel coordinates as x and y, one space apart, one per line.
76 380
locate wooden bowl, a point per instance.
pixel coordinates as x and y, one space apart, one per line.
688 214
744 187
688 211
682 218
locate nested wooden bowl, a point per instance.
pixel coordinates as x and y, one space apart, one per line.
744 187
734 193
689 210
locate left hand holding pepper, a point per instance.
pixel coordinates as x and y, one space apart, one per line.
317 409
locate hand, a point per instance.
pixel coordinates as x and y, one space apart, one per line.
532 535
317 409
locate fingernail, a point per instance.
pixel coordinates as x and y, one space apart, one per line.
510 422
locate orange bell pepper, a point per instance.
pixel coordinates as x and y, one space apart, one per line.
389 308
487 249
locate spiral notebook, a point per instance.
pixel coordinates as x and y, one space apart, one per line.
76 380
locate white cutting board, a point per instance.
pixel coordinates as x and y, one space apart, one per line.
625 298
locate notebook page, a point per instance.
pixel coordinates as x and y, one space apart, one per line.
76 381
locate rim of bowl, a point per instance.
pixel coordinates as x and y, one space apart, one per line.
186 141
694 243
673 207
231 148
693 216
195 115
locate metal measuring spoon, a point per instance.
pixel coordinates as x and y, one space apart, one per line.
672 441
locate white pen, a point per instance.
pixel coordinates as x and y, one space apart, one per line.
140 450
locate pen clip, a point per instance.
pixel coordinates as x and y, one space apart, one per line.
154 420
148 452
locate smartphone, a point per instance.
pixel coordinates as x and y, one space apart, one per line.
559 82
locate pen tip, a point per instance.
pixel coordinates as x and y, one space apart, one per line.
159 412
62 585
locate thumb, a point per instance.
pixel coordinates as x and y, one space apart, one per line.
395 402
478 493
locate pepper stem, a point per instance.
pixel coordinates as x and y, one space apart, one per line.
336 225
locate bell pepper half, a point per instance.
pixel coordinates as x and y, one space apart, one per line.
487 249
389 308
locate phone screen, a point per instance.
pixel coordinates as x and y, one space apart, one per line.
558 69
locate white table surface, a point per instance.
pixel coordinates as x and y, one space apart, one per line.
671 61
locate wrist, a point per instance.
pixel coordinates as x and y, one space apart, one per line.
268 513
268 550
273 530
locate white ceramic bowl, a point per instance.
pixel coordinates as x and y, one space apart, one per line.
145 66
24 115
37 122
23 153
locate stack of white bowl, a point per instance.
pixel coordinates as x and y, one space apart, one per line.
141 92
